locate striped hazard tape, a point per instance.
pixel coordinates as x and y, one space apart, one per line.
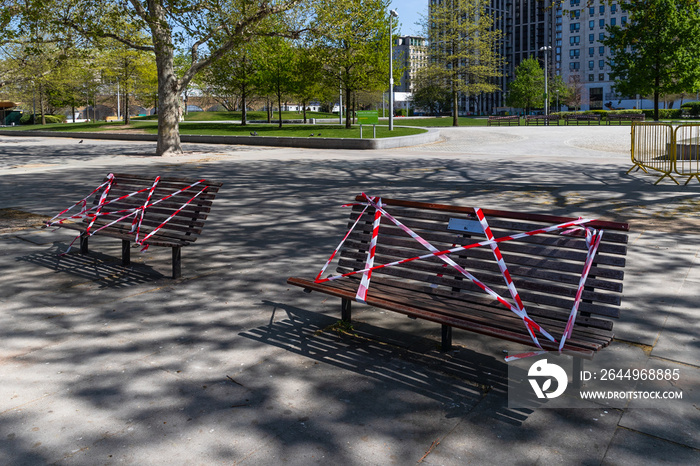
138 213
593 238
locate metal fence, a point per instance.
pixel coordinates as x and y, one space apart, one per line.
672 152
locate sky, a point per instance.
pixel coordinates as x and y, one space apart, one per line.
409 13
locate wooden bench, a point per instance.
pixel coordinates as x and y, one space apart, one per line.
580 119
541 120
509 120
631 117
181 230
545 268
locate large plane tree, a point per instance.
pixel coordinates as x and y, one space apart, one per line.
209 29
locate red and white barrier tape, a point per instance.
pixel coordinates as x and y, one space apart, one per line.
530 324
352 228
137 212
593 238
361 295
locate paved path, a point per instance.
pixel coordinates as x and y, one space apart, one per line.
102 365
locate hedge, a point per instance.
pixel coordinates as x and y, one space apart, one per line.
603 113
28 119
693 108
664 113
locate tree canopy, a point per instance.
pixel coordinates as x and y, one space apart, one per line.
462 48
658 51
210 28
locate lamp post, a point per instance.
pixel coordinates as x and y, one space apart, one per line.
392 14
545 49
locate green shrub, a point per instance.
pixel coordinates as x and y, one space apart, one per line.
28 119
664 113
693 108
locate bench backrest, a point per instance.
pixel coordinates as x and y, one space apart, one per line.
182 229
546 268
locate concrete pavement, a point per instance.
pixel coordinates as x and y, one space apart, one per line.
229 365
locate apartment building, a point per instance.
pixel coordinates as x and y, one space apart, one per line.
585 58
527 26
410 53
570 33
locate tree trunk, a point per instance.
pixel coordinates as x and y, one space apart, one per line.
455 108
126 108
168 93
656 105
279 102
348 121
303 103
244 111
41 104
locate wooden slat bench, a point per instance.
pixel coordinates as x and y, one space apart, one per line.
580 119
182 230
541 120
631 117
508 120
546 270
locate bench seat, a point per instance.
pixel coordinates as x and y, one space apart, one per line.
546 270
183 229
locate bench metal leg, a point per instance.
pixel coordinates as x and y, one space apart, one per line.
177 262
83 243
346 310
126 252
446 338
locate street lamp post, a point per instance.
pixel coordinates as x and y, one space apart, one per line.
545 49
392 14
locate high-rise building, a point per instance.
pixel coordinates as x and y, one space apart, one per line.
586 58
486 102
410 53
568 35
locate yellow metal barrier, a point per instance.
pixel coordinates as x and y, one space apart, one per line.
653 149
686 145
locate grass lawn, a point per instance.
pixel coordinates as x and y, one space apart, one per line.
252 115
227 129
440 121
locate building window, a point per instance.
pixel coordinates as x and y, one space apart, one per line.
574 65
591 77
575 27
590 64
591 24
602 9
574 40
601 77
601 36
624 20
613 9
590 51
601 50
601 23
574 53
591 11
591 38
601 64
613 21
